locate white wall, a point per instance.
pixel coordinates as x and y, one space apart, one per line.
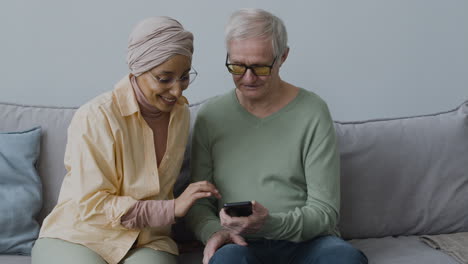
366 58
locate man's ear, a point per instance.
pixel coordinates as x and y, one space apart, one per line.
284 56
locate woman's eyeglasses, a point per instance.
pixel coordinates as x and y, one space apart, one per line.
240 69
168 82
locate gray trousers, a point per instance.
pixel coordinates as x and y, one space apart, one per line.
57 251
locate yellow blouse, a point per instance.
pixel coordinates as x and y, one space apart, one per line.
111 163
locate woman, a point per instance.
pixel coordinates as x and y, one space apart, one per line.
124 152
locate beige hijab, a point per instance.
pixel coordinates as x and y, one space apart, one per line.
154 40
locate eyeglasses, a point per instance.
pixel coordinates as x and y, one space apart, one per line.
240 69
168 82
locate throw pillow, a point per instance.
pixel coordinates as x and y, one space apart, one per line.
20 191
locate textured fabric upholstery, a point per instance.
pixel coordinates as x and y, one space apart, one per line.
404 176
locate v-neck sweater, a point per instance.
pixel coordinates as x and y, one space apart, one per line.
287 161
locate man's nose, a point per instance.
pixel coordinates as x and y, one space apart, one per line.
249 76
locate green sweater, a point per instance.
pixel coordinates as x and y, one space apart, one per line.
287 161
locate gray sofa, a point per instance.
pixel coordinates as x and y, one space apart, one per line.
401 178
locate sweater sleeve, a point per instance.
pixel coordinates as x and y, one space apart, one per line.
202 218
319 215
149 213
90 160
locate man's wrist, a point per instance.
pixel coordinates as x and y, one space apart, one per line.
270 224
223 230
209 230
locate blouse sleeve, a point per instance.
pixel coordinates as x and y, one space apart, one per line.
90 159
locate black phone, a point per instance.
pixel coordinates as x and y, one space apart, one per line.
238 209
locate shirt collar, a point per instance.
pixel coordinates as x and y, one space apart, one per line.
125 97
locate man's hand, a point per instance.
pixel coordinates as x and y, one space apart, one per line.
194 191
245 225
219 239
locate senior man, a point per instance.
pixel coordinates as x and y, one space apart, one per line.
271 142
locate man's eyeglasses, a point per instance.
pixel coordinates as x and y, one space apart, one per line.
168 82
240 69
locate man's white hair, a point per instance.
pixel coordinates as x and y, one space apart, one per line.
251 22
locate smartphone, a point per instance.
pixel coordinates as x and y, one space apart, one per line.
238 209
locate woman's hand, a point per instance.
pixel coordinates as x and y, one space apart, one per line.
194 191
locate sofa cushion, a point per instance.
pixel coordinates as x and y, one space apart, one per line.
54 122
404 176
407 250
20 190
15 259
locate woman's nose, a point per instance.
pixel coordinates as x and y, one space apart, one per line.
176 90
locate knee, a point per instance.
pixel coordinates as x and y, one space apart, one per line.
231 253
339 251
232 250
343 254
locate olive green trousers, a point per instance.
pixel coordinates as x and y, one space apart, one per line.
57 251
